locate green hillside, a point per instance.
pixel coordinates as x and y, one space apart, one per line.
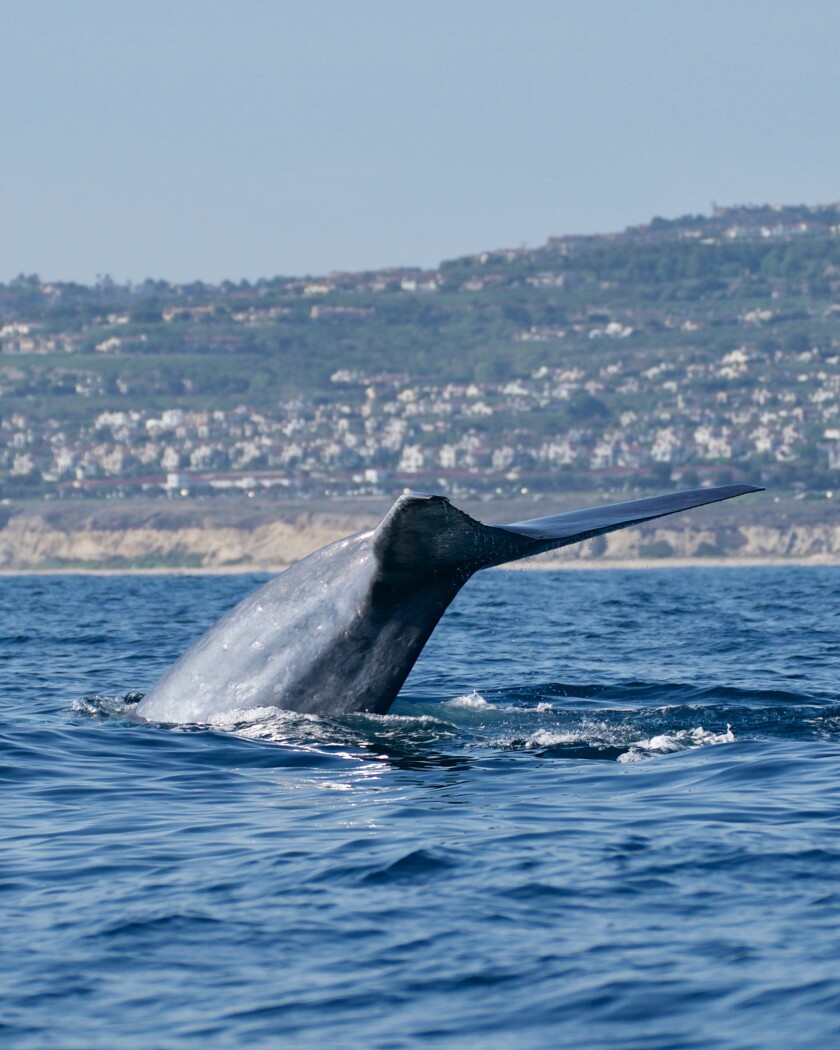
599 345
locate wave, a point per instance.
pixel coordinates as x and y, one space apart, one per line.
600 745
550 720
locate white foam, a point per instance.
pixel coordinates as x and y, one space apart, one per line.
473 701
542 706
271 724
664 743
683 740
390 718
545 738
600 735
237 715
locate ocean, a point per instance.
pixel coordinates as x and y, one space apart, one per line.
604 812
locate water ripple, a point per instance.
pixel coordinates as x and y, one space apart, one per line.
603 812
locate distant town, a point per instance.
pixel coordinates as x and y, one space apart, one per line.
683 352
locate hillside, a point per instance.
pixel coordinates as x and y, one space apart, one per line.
686 351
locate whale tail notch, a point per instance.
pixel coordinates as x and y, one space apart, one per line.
426 535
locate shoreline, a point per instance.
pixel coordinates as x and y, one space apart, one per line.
148 539
638 564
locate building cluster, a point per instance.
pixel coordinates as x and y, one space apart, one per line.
612 359
378 432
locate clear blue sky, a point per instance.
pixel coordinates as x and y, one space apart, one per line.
209 139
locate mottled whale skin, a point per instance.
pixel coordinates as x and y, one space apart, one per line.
340 630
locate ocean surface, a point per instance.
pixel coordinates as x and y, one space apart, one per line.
605 812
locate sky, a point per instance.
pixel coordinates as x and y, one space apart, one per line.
211 139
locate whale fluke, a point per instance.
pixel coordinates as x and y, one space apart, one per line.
558 530
420 533
339 631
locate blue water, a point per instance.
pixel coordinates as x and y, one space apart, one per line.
605 812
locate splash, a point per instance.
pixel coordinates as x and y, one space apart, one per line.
100 706
473 701
670 743
615 740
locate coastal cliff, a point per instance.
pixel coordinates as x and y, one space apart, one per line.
163 537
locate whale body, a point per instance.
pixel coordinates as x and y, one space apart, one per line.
339 631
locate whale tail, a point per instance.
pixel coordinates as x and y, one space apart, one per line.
426 535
